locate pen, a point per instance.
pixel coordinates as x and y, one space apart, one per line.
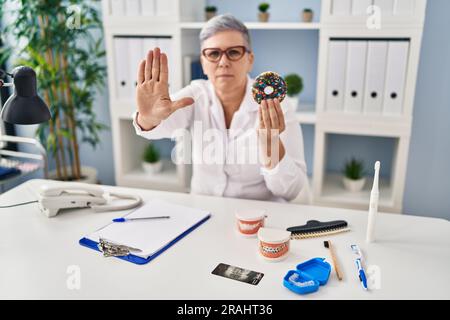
361 273
143 218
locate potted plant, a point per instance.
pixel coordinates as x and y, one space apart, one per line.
151 160
263 15
210 11
307 15
294 87
353 178
60 41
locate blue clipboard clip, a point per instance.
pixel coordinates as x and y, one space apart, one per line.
111 249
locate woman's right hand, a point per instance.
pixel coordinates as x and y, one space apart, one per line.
152 93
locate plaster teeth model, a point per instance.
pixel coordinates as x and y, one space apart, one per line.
249 221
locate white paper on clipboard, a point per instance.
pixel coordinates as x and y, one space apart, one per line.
151 235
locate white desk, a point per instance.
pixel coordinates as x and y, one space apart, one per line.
413 254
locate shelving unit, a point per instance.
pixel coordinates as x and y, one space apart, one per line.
261 25
182 25
327 188
26 163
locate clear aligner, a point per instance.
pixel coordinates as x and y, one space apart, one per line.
293 279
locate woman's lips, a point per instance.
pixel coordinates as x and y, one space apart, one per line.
225 76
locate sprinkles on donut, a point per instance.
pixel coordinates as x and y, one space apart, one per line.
269 85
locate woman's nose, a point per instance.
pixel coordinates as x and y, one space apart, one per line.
224 62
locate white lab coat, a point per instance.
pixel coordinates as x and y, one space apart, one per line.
227 178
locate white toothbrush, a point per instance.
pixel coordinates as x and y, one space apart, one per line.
373 207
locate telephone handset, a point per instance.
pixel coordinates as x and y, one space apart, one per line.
58 189
64 195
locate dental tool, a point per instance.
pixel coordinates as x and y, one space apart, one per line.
373 206
360 269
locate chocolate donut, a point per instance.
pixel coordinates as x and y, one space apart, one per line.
269 85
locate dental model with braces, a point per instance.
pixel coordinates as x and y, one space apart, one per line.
273 249
273 243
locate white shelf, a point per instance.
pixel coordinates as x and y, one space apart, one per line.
306 113
142 22
262 25
167 179
362 124
335 193
306 117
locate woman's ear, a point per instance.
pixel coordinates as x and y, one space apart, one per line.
203 65
251 60
201 62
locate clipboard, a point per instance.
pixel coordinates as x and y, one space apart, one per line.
137 259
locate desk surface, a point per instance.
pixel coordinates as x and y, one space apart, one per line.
411 254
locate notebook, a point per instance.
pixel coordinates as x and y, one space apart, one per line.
151 236
6 172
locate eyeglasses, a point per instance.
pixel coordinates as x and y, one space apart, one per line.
232 53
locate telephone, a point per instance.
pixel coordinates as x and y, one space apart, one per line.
64 195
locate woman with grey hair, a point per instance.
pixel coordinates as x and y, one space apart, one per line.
224 111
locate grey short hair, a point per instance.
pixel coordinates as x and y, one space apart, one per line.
224 22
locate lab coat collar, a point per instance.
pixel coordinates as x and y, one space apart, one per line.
241 117
249 104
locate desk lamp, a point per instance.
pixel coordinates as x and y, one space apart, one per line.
24 106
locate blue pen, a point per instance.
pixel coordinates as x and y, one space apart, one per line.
361 273
143 218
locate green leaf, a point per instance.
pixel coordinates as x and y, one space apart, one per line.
151 154
39 47
354 169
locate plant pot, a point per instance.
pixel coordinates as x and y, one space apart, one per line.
353 185
209 15
152 168
88 175
307 16
291 102
263 16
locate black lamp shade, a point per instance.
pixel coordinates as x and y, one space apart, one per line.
25 106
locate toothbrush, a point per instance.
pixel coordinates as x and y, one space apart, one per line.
361 273
373 206
337 269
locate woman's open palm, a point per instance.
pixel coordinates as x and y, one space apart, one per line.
152 93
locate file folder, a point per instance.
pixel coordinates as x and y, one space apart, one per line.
117 7
359 7
163 8
148 44
165 44
152 237
337 61
395 77
375 76
404 7
355 76
133 7
341 7
148 7
386 6
135 58
121 60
